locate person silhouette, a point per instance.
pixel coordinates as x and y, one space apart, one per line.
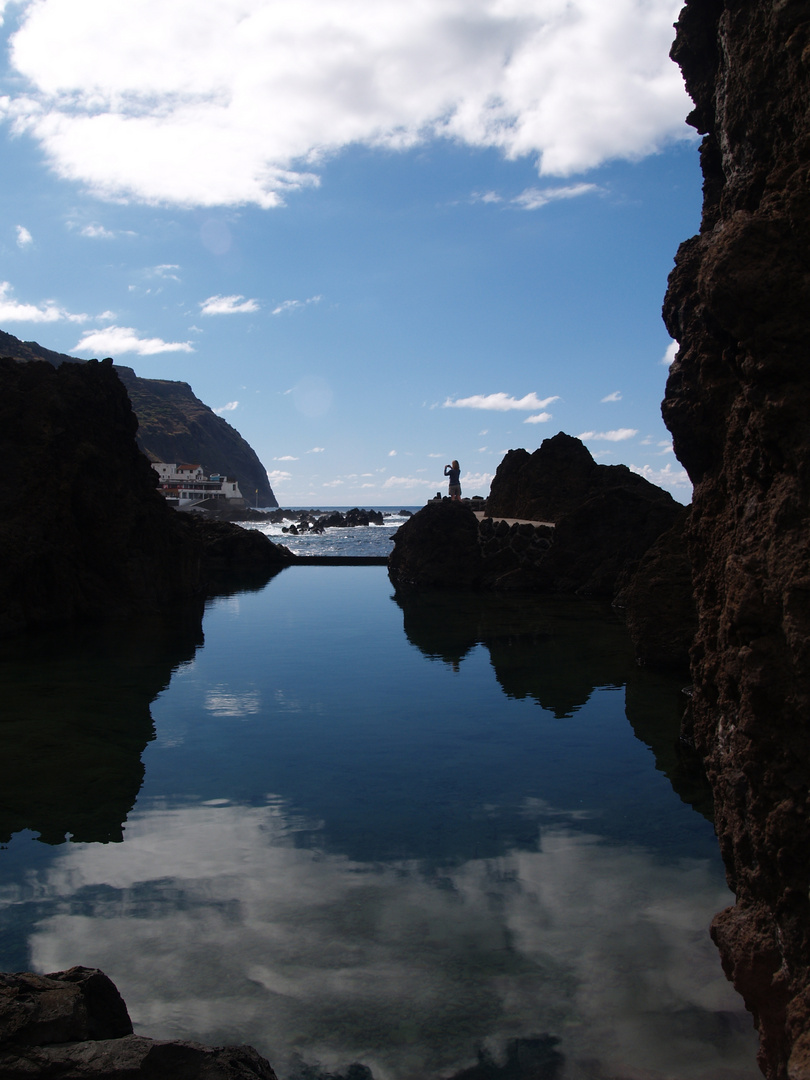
453 471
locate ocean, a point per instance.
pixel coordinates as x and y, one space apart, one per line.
357 540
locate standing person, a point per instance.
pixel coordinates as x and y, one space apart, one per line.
453 471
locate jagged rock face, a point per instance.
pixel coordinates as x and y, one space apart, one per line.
84 532
737 403
556 479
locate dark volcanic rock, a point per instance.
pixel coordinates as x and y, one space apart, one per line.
556 479
658 601
737 403
437 548
84 532
606 520
605 536
74 1025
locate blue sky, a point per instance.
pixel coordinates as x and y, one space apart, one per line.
373 237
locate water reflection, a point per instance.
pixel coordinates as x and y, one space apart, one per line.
468 868
554 652
212 920
76 720
558 652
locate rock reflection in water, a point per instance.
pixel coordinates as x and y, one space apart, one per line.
76 717
558 652
76 721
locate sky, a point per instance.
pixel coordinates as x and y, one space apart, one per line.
374 237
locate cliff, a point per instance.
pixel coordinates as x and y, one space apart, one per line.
84 533
737 403
173 424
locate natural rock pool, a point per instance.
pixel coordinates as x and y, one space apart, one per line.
448 832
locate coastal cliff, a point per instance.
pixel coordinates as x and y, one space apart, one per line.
173 424
737 403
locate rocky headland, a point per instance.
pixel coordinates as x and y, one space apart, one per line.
558 523
737 403
84 532
173 424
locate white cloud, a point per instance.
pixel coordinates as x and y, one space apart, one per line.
227 408
404 482
294 305
47 311
332 483
97 232
669 355
538 418
618 435
285 457
499 402
478 483
486 197
316 450
615 396
227 305
392 453
223 103
24 237
165 271
534 198
112 340
278 476
668 477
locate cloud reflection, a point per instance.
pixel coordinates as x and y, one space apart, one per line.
216 926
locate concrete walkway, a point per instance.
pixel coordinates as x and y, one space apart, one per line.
513 521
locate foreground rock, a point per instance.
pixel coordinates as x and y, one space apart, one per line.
606 521
737 403
74 1025
84 533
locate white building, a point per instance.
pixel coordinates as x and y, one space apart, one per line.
186 486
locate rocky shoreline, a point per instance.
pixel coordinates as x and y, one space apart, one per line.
74 1025
597 532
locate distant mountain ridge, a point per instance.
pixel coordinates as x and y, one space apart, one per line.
173 424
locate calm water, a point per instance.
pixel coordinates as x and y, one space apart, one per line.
347 829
